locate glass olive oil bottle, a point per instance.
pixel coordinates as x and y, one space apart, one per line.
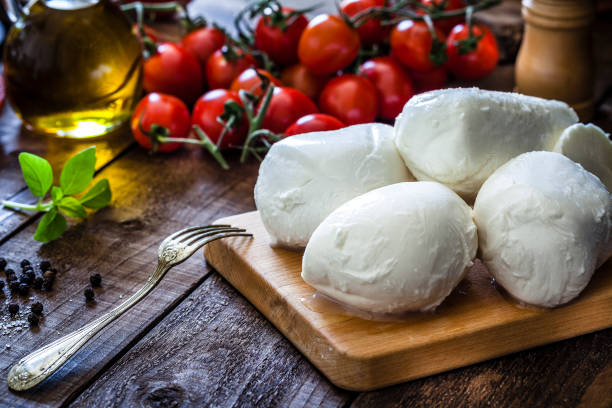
73 68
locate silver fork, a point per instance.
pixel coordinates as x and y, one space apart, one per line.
175 249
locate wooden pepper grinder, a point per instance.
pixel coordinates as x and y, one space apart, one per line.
555 60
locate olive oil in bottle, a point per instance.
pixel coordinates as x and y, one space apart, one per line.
73 68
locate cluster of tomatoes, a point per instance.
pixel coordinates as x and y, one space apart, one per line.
323 74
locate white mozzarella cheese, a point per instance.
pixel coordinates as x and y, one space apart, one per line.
402 247
544 225
458 137
305 177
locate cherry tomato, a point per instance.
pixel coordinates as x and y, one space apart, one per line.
444 24
280 43
314 122
428 81
175 71
250 81
411 45
203 42
474 64
206 111
221 71
392 83
164 110
350 98
371 32
286 106
328 44
300 78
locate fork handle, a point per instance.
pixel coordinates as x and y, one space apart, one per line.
40 364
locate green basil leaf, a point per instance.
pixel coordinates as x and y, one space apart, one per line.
37 173
78 171
98 196
72 208
56 194
51 226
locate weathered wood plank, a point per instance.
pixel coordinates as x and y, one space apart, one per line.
154 196
214 349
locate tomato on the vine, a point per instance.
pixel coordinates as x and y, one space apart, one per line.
173 70
203 42
350 98
221 69
392 83
328 44
299 77
208 108
286 106
372 31
444 24
279 36
471 57
250 81
162 110
411 44
314 122
428 81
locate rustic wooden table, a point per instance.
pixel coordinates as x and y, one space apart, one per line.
195 341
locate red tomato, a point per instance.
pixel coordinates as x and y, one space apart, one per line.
411 45
206 111
328 44
371 32
250 81
350 98
428 81
175 71
392 83
164 110
203 42
220 71
314 122
445 24
286 106
479 62
300 78
280 43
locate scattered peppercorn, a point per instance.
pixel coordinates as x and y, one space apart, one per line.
24 289
25 278
25 263
47 284
44 266
13 308
37 308
2 264
38 282
28 268
33 319
96 280
49 275
14 286
89 294
10 274
1 284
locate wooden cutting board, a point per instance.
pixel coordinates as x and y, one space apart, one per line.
475 323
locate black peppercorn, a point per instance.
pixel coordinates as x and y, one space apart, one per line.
96 280
13 308
44 266
1 284
24 289
25 279
28 268
89 294
49 275
2 264
11 275
14 286
38 282
47 284
33 319
37 308
25 263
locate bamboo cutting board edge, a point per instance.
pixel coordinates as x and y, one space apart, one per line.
362 355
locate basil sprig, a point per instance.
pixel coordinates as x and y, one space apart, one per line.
76 175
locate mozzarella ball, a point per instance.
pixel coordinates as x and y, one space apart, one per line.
399 248
544 225
591 147
458 137
305 177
